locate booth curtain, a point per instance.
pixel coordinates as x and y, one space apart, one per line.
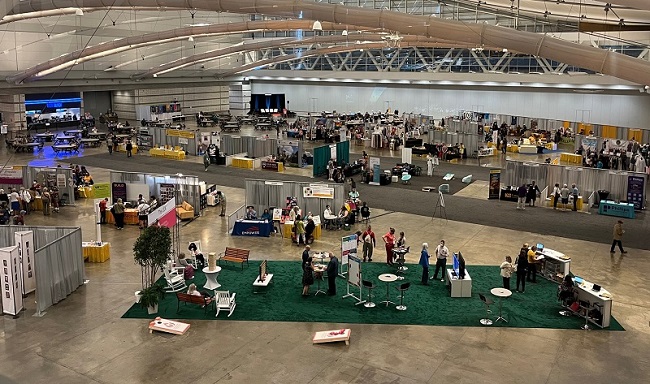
58 261
38 174
322 156
470 140
160 138
253 146
262 195
588 180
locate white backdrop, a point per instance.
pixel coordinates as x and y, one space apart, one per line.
629 110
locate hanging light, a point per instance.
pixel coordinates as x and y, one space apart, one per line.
345 32
79 12
317 26
191 38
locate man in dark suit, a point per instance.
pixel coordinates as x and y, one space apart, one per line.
332 273
305 255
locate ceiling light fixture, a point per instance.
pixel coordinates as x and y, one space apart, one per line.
191 38
317 26
79 12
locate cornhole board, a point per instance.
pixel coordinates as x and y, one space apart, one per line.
428 189
169 326
332 336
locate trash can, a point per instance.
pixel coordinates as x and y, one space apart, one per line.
602 195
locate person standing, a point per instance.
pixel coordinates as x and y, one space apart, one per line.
618 237
521 265
424 262
222 202
143 211
531 195
14 199
521 197
26 199
332 273
532 264
300 231
118 214
102 210
129 148
305 255
109 144
556 195
429 165
575 193
369 243
389 241
307 276
506 271
441 260
564 194
206 160
46 197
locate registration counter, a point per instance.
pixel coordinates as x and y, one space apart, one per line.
612 208
261 228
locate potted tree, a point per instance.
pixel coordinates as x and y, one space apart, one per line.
151 252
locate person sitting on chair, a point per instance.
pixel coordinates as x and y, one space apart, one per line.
188 271
266 215
566 288
251 214
191 290
194 251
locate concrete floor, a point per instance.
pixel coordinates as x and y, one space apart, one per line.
83 339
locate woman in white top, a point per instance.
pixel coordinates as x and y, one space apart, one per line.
556 194
506 271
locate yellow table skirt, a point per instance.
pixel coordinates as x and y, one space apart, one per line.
286 231
87 192
571 158
243 163
36 204
513 148
569 205
122 148
97 253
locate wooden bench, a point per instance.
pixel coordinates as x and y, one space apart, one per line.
235 255
192 299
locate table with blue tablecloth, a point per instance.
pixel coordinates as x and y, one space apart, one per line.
611 208
252 228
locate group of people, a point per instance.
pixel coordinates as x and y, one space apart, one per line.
310 272
525 268
369 241
527 194
441 254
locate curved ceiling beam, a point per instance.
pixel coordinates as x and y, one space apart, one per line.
127 43
321 51
595 59
219 53
71 11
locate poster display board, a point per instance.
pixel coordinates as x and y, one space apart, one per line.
348 247
12 297
118 191
167 193
635 187
25 243
495 184
354 271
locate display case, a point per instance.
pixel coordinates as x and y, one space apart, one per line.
554 265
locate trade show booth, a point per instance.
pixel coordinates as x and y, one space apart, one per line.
254 146
187 139
322 155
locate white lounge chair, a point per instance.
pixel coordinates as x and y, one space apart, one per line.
224 302
175 280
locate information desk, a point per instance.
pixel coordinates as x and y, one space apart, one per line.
273 166
599 300
579 204
459 288
554 265
571 158
252 228
96 253
611 208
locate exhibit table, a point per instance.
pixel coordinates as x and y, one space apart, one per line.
508 195
319 269
600 300
579 203
96 253
87 192
130 216
555 265
611 208
243 162
387 278
273 166
43 137
211 282
502 294
459 287
571 158
122 148
252 228
287 230
524 148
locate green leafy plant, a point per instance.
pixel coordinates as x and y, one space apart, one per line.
151 296
151 251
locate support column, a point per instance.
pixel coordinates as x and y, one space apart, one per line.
12 108
239 97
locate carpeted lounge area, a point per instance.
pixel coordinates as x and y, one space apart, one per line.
427 305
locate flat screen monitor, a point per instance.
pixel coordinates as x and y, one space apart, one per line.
455 264
461 266
540 247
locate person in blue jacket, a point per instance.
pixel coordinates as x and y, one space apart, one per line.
424 262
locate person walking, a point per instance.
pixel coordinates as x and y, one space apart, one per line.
206 160
46 197
222 202
129 148
521 265
506 271
424 262
441 260
575 193
556 195
332 274
618 237
521 197
564 194
369 243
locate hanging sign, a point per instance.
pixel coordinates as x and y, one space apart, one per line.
495 184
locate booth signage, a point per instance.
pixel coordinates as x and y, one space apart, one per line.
60 180
374 163
635 188
164 216
12 297
167 192
319 191
118 190
180 133
495 184
102 190
270 165
11 175
25 243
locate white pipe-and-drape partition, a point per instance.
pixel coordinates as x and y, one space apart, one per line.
588 180
58 261
583 56
253 146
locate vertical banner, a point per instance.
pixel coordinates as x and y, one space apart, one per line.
375 163
118 190
407 155
333 152
164 216
25 243
354 271
12 297
635 187
495 184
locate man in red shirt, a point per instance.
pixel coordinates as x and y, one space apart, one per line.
102 211
369 243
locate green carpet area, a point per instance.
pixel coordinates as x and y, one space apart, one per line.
427 305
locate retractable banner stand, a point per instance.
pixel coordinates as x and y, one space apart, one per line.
25 243
635 188
12 296
374 164
495 184
348 247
